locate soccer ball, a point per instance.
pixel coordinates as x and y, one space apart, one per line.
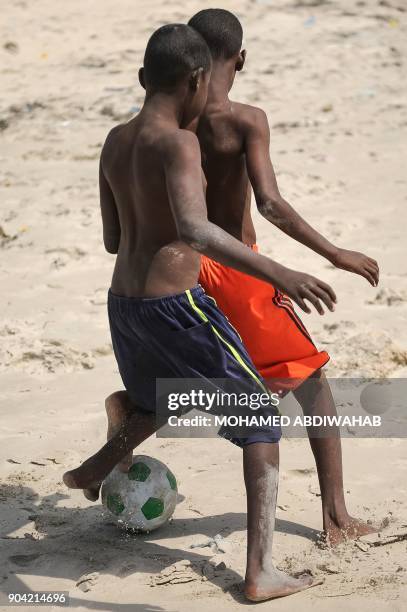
144 498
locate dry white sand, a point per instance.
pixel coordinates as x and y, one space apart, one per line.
331 76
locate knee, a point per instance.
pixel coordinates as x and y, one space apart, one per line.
310 388
117 396
318 375
319 380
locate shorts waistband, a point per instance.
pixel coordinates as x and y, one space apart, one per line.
196 292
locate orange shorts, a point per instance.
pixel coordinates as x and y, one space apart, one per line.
275 337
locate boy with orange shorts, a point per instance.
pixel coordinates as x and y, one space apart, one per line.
234 140
274 335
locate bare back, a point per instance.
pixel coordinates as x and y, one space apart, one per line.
221 134
151 260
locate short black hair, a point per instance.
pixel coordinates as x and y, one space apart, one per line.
221 30
174 51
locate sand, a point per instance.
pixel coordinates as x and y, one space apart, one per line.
331 76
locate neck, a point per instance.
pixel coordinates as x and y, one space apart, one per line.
222 77
166 106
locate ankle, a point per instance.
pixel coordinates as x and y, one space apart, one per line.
336 513
258 568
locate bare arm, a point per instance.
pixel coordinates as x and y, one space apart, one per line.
278 211
110 218
184 185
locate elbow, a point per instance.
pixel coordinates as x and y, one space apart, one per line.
194 235
274 211
111 244
267 207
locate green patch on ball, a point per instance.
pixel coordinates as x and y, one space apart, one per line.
153 508
115 503
172 480
139 471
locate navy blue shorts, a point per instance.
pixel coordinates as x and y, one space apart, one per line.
181 336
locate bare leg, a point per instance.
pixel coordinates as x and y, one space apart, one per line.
118 410
315 398
263 581
90 474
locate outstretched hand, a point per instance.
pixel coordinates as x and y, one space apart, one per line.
355 262
300 287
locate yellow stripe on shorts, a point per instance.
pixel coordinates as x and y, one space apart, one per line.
232 326
231 348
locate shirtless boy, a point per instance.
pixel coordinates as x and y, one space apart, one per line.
234 140
162 324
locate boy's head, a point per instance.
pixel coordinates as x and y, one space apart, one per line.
177 59
223 33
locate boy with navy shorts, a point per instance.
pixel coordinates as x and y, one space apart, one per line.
162 323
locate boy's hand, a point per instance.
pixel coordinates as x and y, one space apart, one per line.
300 287
355 262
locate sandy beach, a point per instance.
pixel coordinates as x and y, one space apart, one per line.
331 77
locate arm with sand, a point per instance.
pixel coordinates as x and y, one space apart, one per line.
278 211
183 178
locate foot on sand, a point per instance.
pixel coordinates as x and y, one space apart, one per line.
338 531
272 584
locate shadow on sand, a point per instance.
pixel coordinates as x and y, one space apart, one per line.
76 541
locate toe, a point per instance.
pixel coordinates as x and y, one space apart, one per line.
91 494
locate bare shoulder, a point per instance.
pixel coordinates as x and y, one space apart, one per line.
114 134
250 117
179 145
111 141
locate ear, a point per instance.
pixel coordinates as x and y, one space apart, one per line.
195 79
240 60
141 78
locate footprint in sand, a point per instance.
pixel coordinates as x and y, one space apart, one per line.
303 471
182 571
23 347
23 560
186 571
366 354
92 61
63 256
87 581
388 297
99 298
74 252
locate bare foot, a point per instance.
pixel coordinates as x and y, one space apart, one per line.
118 409
81 479
274 583
336 532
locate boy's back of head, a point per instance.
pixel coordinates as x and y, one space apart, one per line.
221 30
173 52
